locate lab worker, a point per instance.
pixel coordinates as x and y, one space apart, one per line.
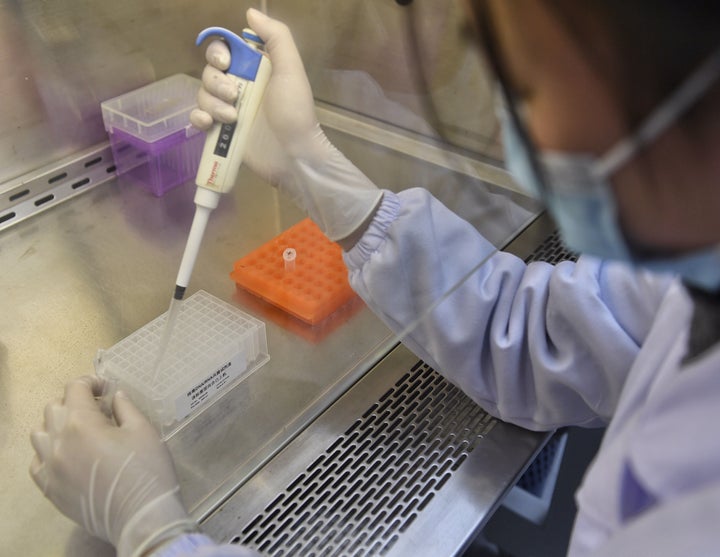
612 118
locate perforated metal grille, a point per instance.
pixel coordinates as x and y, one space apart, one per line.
552 250
371 483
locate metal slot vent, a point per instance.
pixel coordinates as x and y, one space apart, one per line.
552 250
371 483
49 186
534 478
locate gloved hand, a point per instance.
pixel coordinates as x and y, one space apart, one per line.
118 481
287 146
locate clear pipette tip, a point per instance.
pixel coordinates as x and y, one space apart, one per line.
289 257
168 328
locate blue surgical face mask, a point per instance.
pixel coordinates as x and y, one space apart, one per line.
577 191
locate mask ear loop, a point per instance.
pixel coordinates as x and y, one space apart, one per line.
686 95
488 43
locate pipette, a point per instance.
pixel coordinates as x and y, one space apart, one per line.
222 156
225 143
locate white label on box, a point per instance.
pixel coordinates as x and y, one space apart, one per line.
206 389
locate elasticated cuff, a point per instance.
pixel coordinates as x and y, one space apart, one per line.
376 233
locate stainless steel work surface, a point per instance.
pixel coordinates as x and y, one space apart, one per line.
403 464
88 272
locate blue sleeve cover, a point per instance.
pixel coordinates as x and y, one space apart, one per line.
538 345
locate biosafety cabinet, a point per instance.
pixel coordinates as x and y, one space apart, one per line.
343 442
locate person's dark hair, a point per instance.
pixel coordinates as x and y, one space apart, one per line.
644 48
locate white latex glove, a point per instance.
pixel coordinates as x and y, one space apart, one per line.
117 480
287 146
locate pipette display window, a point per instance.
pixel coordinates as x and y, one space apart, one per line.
212 347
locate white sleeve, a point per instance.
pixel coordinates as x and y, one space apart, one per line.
683 527
538 345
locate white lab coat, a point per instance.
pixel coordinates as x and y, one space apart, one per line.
586 343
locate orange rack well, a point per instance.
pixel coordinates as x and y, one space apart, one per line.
311 288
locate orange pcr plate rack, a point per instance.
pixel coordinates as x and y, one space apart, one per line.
299 271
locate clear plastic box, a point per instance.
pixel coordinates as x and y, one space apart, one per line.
152 140
213 346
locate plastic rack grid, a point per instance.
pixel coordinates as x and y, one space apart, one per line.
312 288
212 347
